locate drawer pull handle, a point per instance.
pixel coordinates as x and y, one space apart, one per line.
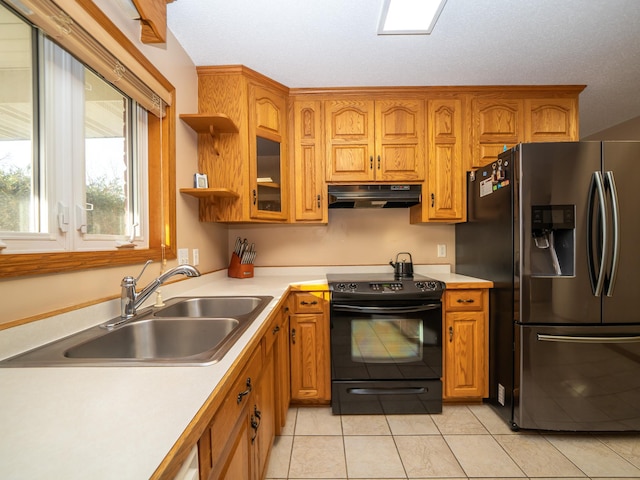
315 302
450 334
465 300
246 392
293 336
276 329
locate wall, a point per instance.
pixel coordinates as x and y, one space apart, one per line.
35 295
629 130
352 237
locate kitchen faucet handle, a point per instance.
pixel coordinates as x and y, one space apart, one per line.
149 262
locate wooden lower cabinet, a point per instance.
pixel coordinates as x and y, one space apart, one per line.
309 348
465 344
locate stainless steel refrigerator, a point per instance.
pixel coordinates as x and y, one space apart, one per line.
556 226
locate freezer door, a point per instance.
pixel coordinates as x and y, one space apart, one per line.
554 185
579 378
621 174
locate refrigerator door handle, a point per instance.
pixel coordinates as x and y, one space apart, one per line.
613 195
578 339
597 280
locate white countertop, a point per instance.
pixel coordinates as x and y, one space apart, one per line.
108 422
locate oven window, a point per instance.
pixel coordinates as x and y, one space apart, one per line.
386 340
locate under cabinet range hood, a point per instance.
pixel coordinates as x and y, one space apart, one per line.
374 196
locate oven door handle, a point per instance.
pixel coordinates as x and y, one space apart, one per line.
390 310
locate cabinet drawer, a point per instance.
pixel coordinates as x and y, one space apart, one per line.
274 329
240 395
457 300
308 303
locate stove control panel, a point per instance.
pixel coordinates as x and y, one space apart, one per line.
393 286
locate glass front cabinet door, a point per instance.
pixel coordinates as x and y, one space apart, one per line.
268 177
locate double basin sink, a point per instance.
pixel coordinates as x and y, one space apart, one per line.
186 331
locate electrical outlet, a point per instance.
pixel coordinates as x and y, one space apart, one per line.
183 256
196 257
442 251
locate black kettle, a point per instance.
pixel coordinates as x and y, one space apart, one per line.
402 269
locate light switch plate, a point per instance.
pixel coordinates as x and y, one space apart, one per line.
442 251
196 257
183 256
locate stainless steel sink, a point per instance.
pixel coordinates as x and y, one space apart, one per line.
187 331
209 307
157 339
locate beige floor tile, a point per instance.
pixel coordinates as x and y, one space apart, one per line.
372 457
290 425
427 456
317 421
365 425
412 425
626 445
317 457
593 457
482 456
280 457
537 457
458 419
490 419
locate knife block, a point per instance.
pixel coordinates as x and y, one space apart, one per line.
239 270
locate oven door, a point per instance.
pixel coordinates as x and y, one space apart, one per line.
386 359
386 341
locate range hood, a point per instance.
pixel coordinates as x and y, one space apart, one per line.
374 196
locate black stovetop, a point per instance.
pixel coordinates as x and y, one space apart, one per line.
379 284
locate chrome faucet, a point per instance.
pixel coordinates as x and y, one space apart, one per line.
130 300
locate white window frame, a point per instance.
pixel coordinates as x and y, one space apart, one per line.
62 194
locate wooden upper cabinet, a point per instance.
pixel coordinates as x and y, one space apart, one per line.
381 140
310 202
399 140
551 120
443 197
267 153
496 124
350 140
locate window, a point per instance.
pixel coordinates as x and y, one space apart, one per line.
87 154
72 176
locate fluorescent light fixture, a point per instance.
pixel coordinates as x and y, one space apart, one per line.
409 17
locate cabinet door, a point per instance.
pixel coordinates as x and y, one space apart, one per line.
238 464
267 153
282 372
262 417
496 124
446 172
310 201
464 355
350 140
551 120
309 358
400 139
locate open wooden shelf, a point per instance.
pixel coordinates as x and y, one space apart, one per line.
209 192
211 123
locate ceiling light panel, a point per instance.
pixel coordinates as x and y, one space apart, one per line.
409 17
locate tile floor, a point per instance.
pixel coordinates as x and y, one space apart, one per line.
463 442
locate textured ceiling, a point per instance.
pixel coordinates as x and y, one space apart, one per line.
322 43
